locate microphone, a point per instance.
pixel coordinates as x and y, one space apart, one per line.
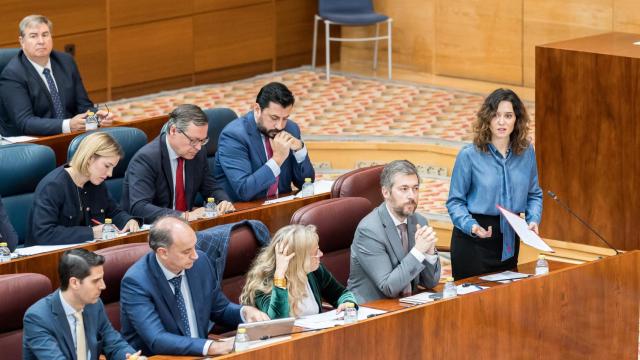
556 199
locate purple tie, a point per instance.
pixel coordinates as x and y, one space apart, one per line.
273 189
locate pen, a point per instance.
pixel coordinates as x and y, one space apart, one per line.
96 222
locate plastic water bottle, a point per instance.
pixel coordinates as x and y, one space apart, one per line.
307 188
108 230
242 340
91 122
210 209
5 253
350 313
450 289
542 266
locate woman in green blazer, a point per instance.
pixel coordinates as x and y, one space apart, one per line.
287 278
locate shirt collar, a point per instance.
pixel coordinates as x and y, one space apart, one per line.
395 221
172 153
168 274
494 151
40 68
68 309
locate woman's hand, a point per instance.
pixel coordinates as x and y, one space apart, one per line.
341 307
131 226
480 232
533 227
282 260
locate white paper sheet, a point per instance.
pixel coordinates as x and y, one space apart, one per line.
417 299
463 290
505 276
15 139
279 200
40 249
330 318
521 228
322 186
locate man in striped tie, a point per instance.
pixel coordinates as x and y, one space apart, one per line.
41 89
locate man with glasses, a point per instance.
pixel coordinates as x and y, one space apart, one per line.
165 175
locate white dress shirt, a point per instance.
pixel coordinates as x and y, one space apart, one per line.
308 305
66 126
69 311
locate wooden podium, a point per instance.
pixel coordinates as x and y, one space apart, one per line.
588 137
575 312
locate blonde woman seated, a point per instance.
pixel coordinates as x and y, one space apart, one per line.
287 278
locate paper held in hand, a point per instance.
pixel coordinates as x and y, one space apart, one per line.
521 228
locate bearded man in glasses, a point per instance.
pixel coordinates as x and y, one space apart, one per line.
165 175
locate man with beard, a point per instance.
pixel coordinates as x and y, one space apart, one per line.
394 250
260 153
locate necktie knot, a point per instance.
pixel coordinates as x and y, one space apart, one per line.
176 281
402 227
46 71
78 315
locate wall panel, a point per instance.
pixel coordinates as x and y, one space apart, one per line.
200 6
626 16
127 12
90 55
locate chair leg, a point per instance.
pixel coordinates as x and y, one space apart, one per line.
389 47
327 49
315 41
375 48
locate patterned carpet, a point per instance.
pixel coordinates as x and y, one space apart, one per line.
348 106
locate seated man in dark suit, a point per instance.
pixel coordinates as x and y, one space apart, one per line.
165 175
71 323
41 89
261 153
7 232
170 295
394 249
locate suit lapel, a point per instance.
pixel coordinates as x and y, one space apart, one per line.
33 73
255 138
165 290
392 233
58 75
62 323
196 290
165 163
411 232
90 327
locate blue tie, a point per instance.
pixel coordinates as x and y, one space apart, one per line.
55 96
181 306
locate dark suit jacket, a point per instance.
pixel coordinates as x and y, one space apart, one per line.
47 334
241 158
148 183
56 218
379 266
7 232
27 107
149 313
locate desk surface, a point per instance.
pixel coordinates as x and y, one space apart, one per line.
614 43
576 311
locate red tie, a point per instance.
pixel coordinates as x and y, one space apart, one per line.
273 189
181 203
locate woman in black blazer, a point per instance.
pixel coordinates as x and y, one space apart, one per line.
72 199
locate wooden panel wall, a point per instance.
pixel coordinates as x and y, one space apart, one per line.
128 48
489 40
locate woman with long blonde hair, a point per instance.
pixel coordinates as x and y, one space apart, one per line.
499 168
287 278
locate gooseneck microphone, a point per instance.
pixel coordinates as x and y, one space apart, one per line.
556 199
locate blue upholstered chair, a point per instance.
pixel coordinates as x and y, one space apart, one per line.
6 55
22 166
130 139
349 13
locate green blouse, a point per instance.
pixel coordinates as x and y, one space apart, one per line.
323 285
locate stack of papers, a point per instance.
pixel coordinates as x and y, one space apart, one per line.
505 277
417 299
40 249
331 318
279 200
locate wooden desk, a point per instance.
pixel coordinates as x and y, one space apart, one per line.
575 312
60 143
274 216
587 137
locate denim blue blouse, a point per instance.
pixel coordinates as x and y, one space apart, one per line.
480 181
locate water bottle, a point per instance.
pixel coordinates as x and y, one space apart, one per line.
108 230
242 340
307 188
542 266
5 253
91 122
350 313
449 289
210 209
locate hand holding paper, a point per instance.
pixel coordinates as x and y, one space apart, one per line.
521 228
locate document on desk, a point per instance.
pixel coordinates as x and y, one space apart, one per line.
330 319
279 200
505 277
521 228
5 140
322 186
41 249
417 299
463 290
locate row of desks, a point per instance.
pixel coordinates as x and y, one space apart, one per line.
575 312
274 216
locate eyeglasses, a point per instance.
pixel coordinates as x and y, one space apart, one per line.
194 142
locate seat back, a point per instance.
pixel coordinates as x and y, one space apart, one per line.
218 118
130 139
344 7
18 292
336 221
363 182
242 250
6 55
117 260
22 166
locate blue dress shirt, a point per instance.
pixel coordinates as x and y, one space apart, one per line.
482 180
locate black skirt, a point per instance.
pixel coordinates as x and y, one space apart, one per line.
471 256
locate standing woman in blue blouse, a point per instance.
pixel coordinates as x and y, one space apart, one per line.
499 168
